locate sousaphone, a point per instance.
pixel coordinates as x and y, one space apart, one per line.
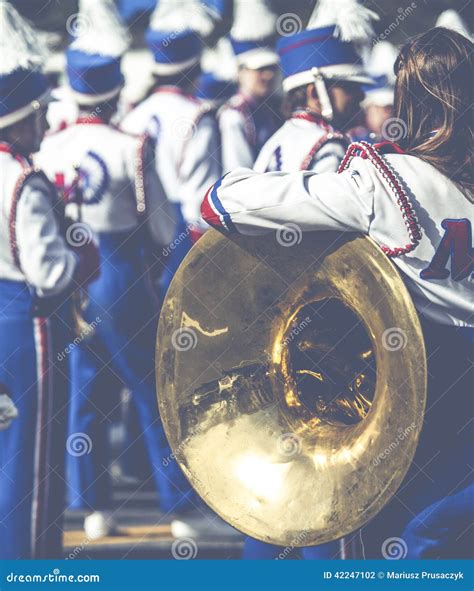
291 378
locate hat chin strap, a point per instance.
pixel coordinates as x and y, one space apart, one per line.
322 92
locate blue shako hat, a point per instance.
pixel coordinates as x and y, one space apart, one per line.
23 86
174 52
93 60
328 50
253 34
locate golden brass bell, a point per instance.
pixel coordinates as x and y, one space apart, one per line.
291 382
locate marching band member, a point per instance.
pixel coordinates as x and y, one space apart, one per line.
323 78
415 201
38 272
185 130
101 15
250 117
114 177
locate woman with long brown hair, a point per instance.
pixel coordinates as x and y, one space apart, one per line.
414 200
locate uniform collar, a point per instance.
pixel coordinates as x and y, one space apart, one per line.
175 90
312 117
90 120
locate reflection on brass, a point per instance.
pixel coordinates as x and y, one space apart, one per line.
286 417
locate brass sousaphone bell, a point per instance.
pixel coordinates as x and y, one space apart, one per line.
291 378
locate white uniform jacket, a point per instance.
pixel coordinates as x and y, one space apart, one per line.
187 145
416 214
117 174
245 126
304 142
32 248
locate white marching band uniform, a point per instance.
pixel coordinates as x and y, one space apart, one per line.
38 272
48 264
187 145
113 166
247 122
110 179
304 142
360 199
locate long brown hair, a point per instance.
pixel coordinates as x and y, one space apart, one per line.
434 97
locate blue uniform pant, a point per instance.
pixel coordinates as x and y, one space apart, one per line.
441 468
123 347
35 375
177 250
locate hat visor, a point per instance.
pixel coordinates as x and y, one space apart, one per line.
27 110
379 98
339 73
88 100
169 69
255 59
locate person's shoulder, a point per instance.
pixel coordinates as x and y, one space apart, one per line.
233 110
54 138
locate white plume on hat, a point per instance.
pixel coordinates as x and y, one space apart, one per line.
220 60
253 20
452 20
20 46
189 14
99 29
382 60
353 21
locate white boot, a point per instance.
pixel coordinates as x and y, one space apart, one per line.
99 524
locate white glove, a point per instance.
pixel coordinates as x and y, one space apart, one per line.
8 411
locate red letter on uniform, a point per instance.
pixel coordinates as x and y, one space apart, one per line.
457 245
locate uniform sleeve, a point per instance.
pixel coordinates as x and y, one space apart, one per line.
200 167
160 215
236 150
253 203
45 259
328 158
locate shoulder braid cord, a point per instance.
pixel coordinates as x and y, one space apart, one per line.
28 173
376 158
331 136
140 195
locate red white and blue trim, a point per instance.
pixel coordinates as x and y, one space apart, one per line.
43 440
213 212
